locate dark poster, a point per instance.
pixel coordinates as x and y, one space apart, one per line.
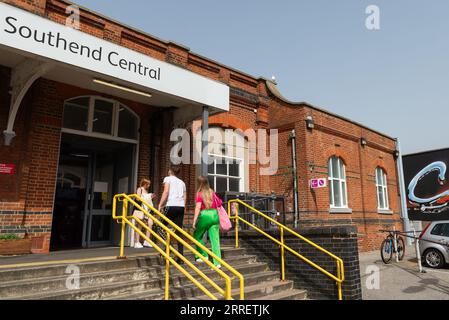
427 185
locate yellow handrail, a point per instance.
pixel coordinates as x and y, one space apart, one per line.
165 253
339 278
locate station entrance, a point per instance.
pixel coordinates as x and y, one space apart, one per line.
93 167
91 171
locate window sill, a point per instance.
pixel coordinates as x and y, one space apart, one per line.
340 210
385 211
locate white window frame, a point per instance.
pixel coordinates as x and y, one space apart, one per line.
341 179
383 185
227 176
114 125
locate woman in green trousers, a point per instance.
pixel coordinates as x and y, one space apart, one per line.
206 219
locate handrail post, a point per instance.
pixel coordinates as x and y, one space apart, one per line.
167 267
282 254
236 225
122 233
340 296
228 293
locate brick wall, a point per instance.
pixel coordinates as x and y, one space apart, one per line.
27 210
26 203
341 241
334 136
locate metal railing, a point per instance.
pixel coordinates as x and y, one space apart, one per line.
270 204
339 278
124 219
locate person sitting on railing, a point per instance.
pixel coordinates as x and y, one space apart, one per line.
206 219
142 192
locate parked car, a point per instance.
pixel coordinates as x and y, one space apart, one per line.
435 254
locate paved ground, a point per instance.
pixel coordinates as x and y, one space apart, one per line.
402 281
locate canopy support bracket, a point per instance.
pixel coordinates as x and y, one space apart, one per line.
22 78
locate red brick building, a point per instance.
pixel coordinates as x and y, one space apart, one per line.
75 136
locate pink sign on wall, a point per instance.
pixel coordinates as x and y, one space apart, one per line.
318 183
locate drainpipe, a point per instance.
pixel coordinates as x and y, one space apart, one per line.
402 191
295 177
204 142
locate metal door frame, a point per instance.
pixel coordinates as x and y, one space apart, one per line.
90 212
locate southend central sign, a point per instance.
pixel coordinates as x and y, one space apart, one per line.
28 32
57 41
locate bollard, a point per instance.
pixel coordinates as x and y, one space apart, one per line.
395 243
418 254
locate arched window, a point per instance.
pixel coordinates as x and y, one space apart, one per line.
382 189
100 117
337 183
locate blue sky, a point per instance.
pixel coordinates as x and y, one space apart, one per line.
395 80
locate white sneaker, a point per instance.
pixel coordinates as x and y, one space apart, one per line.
147 244
138 245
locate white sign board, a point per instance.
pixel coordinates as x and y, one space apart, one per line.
123 185
318 183
34 34
100 186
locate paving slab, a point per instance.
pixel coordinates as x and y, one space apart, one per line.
402 280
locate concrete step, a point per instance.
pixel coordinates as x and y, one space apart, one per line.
261 290
108 290
59 269
140 277
188 291
41 285
292 294
257 291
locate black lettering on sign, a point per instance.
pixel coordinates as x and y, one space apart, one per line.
8 21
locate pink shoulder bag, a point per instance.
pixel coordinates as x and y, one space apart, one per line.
225 222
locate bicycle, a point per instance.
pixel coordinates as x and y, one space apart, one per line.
392 244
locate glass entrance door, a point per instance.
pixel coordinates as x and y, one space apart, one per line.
110 172
99 212
91 171
70 201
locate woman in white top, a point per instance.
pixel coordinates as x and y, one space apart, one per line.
142 192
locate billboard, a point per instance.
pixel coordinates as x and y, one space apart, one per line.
427 185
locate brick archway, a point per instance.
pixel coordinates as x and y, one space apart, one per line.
227 120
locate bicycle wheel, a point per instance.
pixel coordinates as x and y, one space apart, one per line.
401 248
386 250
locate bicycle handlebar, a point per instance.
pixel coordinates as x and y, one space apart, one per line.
390 231
444 243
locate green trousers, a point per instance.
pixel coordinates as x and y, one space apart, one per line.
209 221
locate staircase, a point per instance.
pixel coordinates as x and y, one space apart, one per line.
141 278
